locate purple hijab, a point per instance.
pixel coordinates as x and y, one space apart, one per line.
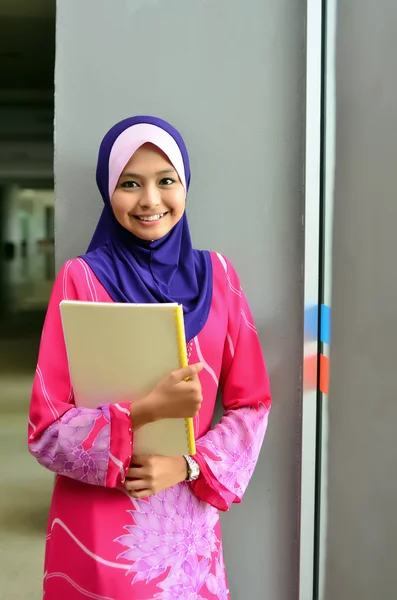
135 270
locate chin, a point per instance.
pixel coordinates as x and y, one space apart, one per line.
150 235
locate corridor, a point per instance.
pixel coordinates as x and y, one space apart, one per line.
26 487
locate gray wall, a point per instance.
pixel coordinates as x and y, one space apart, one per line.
362 493
230 76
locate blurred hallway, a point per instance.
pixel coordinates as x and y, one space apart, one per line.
27 54
26 487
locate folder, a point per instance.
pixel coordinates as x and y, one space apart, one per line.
118 352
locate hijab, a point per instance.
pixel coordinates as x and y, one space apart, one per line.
134 270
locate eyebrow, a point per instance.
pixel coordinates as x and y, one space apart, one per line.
163 172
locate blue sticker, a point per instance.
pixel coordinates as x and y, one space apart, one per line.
325 333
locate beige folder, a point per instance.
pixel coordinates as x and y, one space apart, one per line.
118 352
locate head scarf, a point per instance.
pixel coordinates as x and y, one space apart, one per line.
139 271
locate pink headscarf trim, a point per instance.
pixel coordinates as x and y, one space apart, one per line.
133 138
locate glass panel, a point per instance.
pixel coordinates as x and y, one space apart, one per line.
327 198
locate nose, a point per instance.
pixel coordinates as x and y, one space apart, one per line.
150 197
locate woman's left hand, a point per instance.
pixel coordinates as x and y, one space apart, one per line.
150 475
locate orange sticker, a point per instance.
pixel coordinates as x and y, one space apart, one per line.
324 374
310 372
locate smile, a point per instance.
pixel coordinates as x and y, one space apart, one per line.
151 218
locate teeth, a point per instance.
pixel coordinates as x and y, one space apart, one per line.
153 218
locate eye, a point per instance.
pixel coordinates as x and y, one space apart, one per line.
167 181
129 184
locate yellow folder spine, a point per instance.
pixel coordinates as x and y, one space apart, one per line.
183 361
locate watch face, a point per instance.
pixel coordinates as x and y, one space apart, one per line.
193 468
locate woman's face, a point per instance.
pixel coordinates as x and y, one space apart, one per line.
149 198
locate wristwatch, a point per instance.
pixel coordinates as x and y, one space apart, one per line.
193 469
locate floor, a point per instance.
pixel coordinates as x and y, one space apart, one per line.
25 486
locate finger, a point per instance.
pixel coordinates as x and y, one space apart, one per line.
135 473
192 379
141 494
188 372
134 485
139 462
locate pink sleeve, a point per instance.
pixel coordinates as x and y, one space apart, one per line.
90 445
228 453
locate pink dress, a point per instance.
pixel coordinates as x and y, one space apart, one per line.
101 543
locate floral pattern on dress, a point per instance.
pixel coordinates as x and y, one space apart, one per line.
234 445
172 530
187 582
72 447
216 584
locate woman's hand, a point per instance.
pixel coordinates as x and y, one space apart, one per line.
149 475
174 397
178 395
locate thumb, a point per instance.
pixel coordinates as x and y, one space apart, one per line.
189 372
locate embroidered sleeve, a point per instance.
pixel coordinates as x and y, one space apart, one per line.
90 445
228 453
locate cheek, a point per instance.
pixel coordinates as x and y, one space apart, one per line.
119 204
179 203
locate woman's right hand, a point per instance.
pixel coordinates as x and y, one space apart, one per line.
178 395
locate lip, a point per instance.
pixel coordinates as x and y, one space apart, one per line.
149 223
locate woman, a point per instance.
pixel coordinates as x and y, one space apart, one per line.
123 526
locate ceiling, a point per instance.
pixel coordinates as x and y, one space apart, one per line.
27 50
27 8
27 56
